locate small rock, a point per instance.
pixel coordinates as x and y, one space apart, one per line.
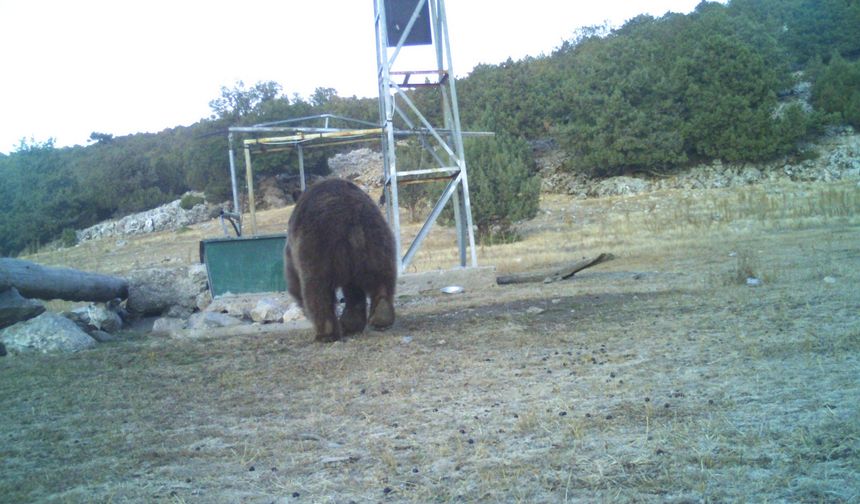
167 325
829 280
294 312
534 310
268 310
406 340
209 320
753 281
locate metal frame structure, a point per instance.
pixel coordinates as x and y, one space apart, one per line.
444 144
298 134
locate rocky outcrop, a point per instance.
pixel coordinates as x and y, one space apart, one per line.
168 217
837 158
48 332
362 166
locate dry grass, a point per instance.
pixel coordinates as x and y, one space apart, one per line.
657 377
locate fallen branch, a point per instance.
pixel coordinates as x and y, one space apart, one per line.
554 275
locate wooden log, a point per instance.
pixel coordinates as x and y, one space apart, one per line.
44 282
554 275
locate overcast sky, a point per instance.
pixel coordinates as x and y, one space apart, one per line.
72 67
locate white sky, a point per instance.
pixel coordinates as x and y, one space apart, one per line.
72 67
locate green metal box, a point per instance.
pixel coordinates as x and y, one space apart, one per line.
244 265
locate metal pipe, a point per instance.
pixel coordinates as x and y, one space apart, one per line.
249 179
236 209
301 166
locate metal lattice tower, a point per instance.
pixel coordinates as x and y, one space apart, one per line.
401 23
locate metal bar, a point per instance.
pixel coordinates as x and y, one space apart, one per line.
234 184
428 224
301 166
423 120
427 171
458 139
249 179
306 137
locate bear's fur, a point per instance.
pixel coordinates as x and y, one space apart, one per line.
338 238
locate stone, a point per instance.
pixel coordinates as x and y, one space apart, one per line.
158 291
209 320
48 332
268 310
167 325
98 317
15 308
294 312
167 217
619 186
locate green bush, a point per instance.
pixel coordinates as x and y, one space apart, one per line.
837 90
502 188
69 238
189 201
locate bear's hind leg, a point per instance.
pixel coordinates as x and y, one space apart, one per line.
382 308
319 307
354 316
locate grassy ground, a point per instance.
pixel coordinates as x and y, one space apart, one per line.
660 376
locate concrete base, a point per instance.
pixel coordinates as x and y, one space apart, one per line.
430 282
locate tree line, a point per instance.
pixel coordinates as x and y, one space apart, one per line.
656 94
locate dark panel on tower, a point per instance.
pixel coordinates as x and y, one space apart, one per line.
397 16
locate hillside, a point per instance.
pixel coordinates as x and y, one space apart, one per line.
663 375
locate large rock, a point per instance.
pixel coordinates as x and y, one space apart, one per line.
166 291
96 317
14 308
48 332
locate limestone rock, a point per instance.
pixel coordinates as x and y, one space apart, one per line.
167 325
156 291
48 332
209 320
268 310
15 308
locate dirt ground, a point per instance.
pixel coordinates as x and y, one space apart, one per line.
661 376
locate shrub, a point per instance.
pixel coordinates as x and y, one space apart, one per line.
189 201
502 188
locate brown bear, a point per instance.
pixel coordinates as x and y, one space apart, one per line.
338 238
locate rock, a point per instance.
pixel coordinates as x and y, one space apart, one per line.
362 166
167 325
15 308
48 332
294 312
619 186
271 196
534 310
157 291
208 320
268 310
168 217
753 281
96 317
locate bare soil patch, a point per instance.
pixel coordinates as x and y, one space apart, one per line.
660 376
